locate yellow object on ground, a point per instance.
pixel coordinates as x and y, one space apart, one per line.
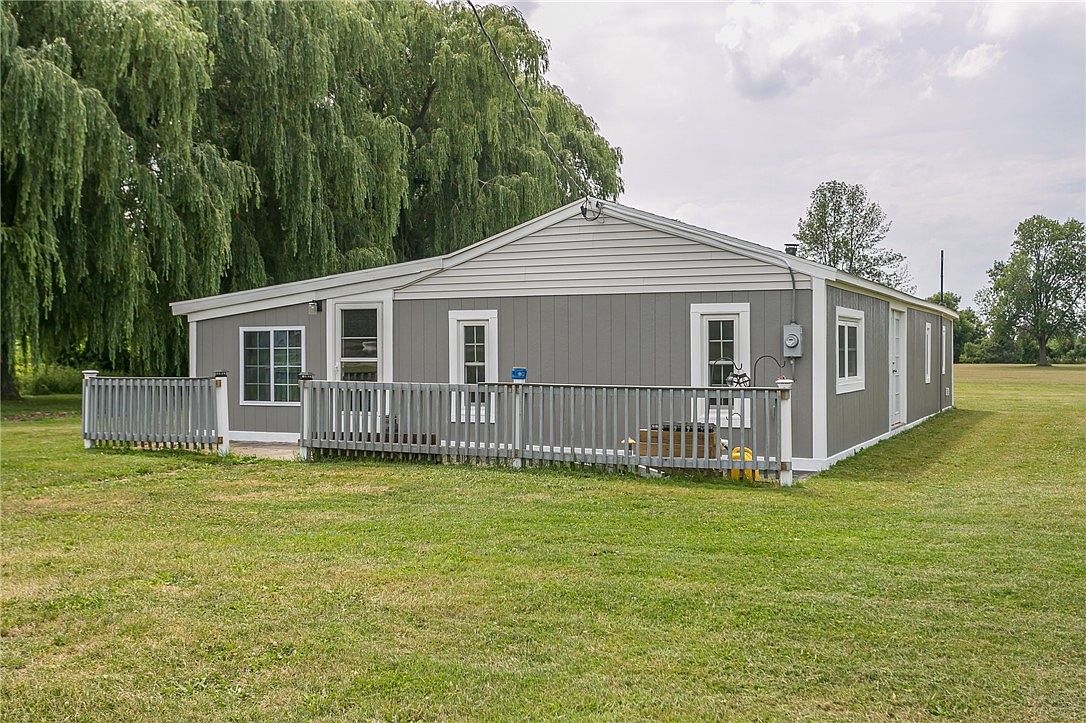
748 456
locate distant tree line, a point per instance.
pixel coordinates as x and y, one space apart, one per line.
161 151
1033 310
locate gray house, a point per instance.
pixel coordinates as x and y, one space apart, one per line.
611 295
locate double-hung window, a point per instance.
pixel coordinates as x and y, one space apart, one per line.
473 352
271 360
850 350
720 344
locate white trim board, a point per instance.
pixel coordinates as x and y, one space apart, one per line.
241 435
812 464
192 348
819 368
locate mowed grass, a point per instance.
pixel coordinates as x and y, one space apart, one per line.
942 573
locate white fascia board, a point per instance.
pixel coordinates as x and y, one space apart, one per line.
267 297
855 283
375 286
773 256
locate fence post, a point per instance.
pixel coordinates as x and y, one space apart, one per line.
785 387
88 406
304 392
518 424
222 413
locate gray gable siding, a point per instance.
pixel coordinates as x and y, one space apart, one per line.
608 255
218 348
855 417
635 339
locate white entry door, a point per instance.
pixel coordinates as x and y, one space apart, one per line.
897 367
358 343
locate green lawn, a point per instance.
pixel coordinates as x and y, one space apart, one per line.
942 573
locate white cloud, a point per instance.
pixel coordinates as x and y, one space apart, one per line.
730 115
975 62
775 47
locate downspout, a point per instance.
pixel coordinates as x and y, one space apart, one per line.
792 318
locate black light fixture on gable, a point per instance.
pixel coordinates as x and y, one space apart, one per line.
315 307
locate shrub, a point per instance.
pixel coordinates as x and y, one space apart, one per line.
49 379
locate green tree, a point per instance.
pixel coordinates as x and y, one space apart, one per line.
112 205
968 329
1040 291
843 228
166 150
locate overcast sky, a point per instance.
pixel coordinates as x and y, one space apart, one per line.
960 119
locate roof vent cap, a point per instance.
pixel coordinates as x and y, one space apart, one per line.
791 248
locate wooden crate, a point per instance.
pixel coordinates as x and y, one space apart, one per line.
688 442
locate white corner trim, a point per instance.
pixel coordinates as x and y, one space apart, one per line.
192 348
457 318
241 365
858 382
241 435
819 380
815 464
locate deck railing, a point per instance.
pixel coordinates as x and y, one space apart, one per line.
187 412
746 430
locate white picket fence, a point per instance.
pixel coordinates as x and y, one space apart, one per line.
182 412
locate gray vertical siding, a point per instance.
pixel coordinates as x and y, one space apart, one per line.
635 339
855 417
217 347
927 398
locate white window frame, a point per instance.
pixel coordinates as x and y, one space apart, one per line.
700 316
927 352
458 319
845 316
382 301
336 337
241 365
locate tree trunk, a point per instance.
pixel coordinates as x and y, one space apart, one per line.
1042 353
8 390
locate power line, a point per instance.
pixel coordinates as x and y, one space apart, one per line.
575 177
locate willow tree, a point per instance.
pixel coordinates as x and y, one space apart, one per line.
165 150
111 205
298 97
387 131
478 164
